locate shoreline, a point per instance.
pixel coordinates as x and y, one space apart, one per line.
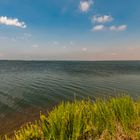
15 120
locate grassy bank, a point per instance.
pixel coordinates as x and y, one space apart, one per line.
110 119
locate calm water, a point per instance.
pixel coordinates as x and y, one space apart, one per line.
44 83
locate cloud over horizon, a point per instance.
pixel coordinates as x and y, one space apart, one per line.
12 22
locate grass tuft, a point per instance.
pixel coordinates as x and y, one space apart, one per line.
104 119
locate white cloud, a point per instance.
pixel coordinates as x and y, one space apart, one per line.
35 46
118 28
98 28
84 49
111 28
12 22
102 19
85 5
56 43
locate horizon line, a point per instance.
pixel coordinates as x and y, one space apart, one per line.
65 60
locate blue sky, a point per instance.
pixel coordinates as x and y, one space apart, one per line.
70 29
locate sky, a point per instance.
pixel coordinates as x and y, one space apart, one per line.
69 30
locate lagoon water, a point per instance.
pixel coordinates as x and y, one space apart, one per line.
26 84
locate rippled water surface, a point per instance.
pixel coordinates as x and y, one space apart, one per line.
44 83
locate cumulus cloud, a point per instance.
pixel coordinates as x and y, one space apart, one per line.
35 46
98 28
111 28
85 5
12 22
118 28
102 19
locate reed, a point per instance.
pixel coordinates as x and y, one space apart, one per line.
103 119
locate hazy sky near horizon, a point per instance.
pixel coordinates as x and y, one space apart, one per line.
70 29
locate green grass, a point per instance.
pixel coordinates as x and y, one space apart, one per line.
109 119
